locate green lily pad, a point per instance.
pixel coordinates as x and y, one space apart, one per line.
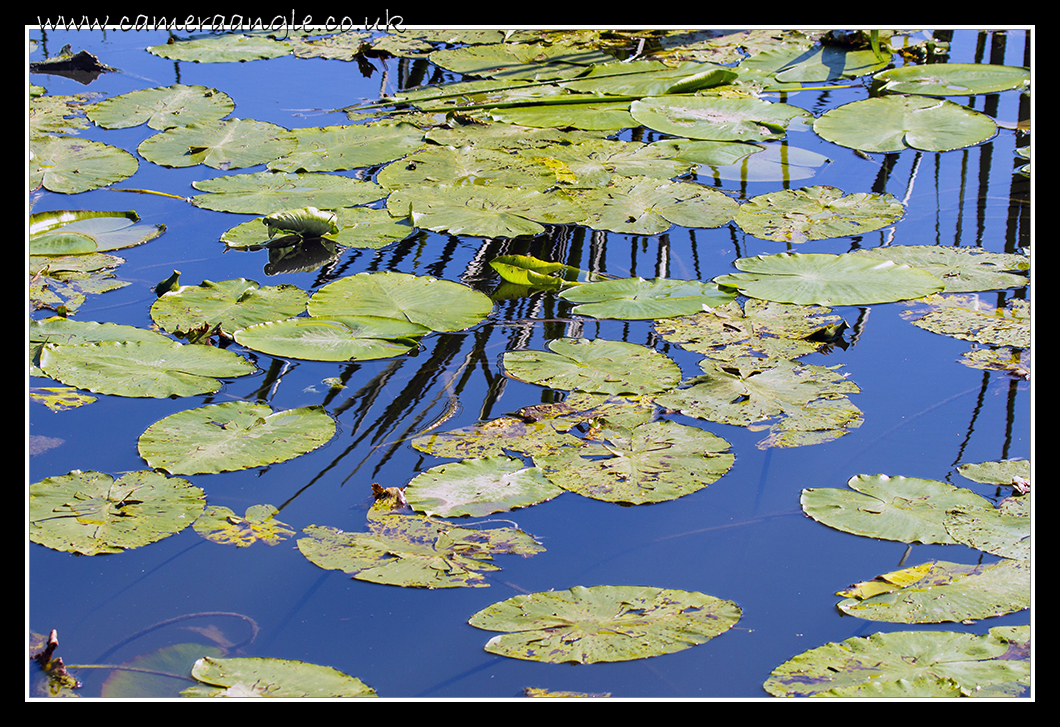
345 338
649 78
639 299
308 221
595 162
92 513
162 108
600 366
816 213
652 462
1003 472
751 162
910 664
795 64
598 115
962 269
533 61
478 487
645 206
220 525
263 193
227 48
143 368
263 677
717 118
440 305
529 272
415 551
999 532
338 148
938 591
496 437
603 623
894 123
466 166
226 144
235 435
483 211
230 305
970 318
57 115
906 509
362 227
80 232
828 280
69 165
953 79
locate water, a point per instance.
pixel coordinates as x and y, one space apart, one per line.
742 538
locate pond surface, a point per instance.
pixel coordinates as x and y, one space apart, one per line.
743 538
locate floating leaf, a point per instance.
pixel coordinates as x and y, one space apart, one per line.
816 213
779 162
645 206
939 591
262 193
595 162
823 63
909 664
828 280
970 318
439 305
530 272
598 115
716 117
463 167
639 299
652 462
89 234
649 78
603 623
67 165
962 269
221 525
346 338
606 367
60 398
225 48
307 221
760 329
162 108
1004 472
233 436
999 532
952 79
337 148
263 677
230 144
92 513
229 305
906 509
496 437
142 368
478 487
518 60
893 123
415 551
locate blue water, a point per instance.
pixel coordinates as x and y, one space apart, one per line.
742 538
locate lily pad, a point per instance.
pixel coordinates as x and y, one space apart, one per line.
533 61
463 167
439 305
939 591
649 78
496 437
597 115
162 108
828 280
263 193
652 462
92 513
483 211
415 551
962 269
235 435
338 148
893 123
143 368
81 232
910 664
821 63
645 206
816 213
952 79
600 366
529 272
716 117
478 487
603 623
345 338
596 162
779 162
228 144
906 509
242 677
230 305
69 165
226 48
639 299
220 525
970 318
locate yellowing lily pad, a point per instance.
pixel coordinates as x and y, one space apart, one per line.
603 623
